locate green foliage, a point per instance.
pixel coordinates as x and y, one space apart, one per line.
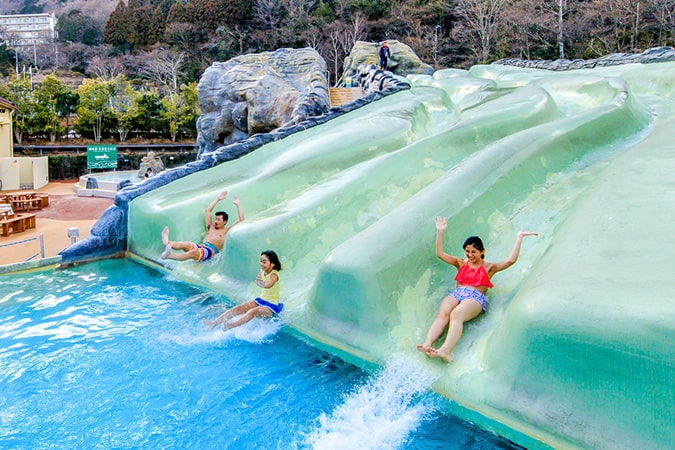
67 167
78 27
31 7
49 111
374 9
18 92
95 113
7 62
181 110
150 110
118 29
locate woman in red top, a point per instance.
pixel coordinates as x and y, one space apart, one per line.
468 300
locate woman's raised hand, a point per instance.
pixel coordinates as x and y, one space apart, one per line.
441 223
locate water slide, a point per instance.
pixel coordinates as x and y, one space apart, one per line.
576 349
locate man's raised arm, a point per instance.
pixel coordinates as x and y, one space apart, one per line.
209 209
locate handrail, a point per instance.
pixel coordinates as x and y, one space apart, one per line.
42 246
121 147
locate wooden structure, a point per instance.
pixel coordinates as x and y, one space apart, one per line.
14 223
6 134
25 201
341 96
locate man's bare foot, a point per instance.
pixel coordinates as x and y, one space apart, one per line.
440 354
166 252
209 323
165 236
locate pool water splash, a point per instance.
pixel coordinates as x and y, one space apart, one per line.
382 412
257 331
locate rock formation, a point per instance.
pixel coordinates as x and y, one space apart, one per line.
257 93
652 55
403 60
150 161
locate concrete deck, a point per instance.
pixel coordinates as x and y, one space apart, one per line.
65 210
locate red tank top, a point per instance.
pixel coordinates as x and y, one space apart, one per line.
478 277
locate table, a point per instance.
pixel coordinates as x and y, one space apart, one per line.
24 201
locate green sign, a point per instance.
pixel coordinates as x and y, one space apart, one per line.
102 156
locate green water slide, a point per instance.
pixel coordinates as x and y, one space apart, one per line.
576 349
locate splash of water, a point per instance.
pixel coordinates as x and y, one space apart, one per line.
379 414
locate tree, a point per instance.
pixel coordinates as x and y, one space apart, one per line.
18 92
164 68
78 27
49 111
106 69
95 103
177 110
118 29
479 22
124 105
149 118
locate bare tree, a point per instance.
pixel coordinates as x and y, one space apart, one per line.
106 69
269 13
164 67
664 15
314 38
11 38
479 22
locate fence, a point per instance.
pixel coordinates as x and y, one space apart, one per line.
42 246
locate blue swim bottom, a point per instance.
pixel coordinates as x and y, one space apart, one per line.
274 307
464 292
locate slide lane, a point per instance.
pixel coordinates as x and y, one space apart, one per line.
349 207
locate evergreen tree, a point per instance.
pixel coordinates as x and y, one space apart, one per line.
118 28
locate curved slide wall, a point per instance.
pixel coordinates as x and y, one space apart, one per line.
577 347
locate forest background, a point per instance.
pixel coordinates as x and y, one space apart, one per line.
128 70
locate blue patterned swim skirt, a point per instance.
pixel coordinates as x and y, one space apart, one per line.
464 292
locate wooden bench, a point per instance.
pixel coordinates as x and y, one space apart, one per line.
15 223
44 200
25 201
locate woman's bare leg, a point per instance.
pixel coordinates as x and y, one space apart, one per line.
465 311
448 304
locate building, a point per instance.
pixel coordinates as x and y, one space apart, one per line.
18 172
6 134
20 30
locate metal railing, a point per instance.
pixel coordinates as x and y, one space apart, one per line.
42 246
121 148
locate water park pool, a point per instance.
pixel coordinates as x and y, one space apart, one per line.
112 354
104 184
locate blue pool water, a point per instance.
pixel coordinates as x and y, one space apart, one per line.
113 355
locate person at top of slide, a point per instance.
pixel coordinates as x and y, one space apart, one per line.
213 240
469 298
385 54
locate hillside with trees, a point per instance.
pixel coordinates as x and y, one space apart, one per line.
141 59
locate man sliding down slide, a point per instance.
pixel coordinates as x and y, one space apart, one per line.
213 239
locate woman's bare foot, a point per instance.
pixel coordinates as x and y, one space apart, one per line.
440 354
166 252
165 236
423 348
209 323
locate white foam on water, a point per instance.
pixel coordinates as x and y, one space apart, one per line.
257 331
380 414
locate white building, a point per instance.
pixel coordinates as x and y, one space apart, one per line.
18 30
